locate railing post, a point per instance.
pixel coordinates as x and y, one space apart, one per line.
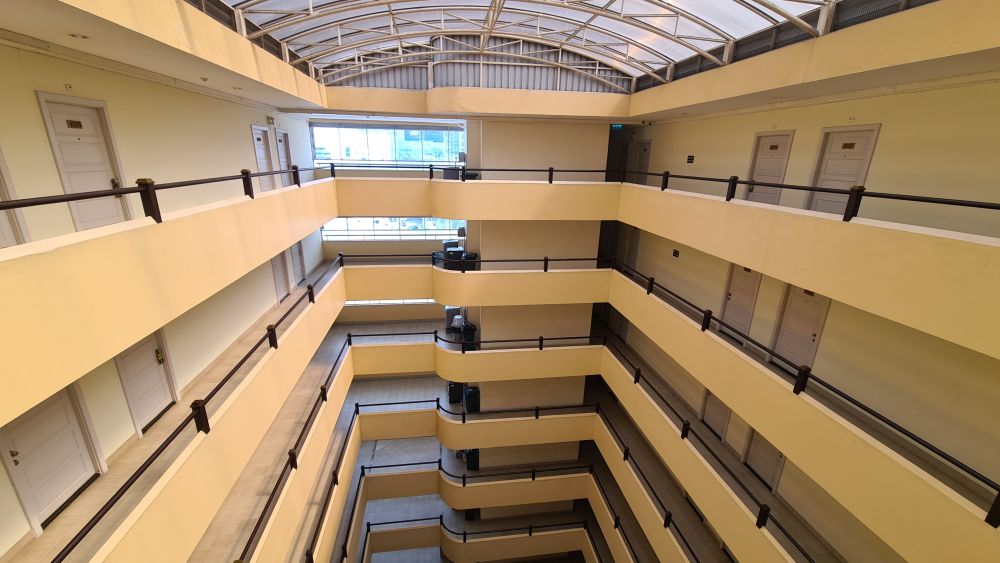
649 285
463 479
323 393
437 403
311 292
465 537
462 173
295 175
247 182
665 180
854 202
430 171
150 205
685 429
272 336
333 170
625 454
349 343
993 516
293 459
537 412
801 379
706 320
762 515
357 408
340 259
200 416
530 530
463 415
667 518
638 375
545 264
541 342
552 174
440 466
533 472
435 336
731 188
618 522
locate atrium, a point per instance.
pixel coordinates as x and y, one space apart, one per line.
602 281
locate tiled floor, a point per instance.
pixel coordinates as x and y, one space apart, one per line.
134 453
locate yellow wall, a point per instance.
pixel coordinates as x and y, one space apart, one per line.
94 293
913 378
104 402
505 240
211 463
541 144
188 136
946 152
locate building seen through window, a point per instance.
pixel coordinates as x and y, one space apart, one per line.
391 228
366 143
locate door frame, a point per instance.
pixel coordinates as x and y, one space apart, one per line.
729 285
44 98
754 151
272 154
824 138
779 323
97 457
167 368
288 152
17 222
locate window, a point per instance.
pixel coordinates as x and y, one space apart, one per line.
389 302
391 228
347 143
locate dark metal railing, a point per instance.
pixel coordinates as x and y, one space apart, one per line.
799 380
532 473
198 415
465 534
148 189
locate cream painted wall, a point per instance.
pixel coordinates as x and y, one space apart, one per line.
312 251
164 133
698 277
386 313
532 321
936 142
104 400
500 240
197 337
915 379
528 394
527 455
540 144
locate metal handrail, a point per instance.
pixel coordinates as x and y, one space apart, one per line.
198 415
147 188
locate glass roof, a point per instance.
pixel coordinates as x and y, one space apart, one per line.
635 37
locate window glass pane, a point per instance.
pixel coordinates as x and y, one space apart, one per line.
360 223
353 144
408 145
411 223
435 145
326 141
386 223
433 223
339 224
381 145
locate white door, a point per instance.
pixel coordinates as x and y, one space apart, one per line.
765 460
770 161
844 163
741 298
144 379
262 150
47 455
284 156
801 325
85 163
280 276
298 266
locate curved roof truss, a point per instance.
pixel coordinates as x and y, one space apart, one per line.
632 36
